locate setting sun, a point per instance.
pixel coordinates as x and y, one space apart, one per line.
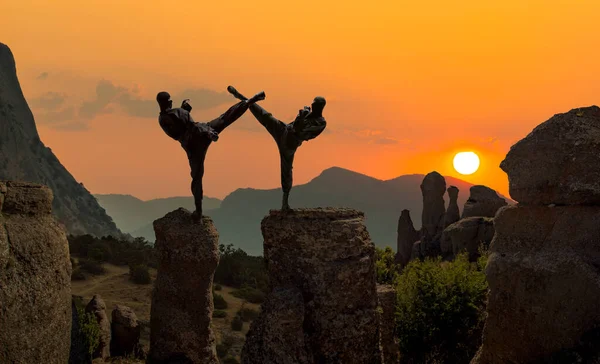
466 163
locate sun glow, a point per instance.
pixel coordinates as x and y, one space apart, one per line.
466 163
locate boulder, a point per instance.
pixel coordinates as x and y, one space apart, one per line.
468 235
452 212
433 189
125 340
97 307
483 201
389 341
407 236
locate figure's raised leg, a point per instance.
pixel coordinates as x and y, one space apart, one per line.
236 111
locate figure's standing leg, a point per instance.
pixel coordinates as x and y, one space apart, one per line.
196 151
287 161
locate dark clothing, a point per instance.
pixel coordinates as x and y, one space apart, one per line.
288 138
195 138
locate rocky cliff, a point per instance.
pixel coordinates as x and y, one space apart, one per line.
23 157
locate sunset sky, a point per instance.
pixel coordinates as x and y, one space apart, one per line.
408 83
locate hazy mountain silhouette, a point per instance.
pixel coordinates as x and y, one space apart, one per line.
135 216
238 219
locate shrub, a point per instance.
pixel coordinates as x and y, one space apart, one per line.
237 324
78 275
92 266
440 309
219 314
218 287
385 265
222 350
89 329
219 302
247 314
238 269
225 345
250 294
139 274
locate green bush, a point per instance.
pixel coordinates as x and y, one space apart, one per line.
219 302
219 314
385 265
92 266
247 314
250 294
139 274
237 324
218 287
440 310
238 269
77 275
88 329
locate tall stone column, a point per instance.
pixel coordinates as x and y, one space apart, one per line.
323 302
35 278
182 302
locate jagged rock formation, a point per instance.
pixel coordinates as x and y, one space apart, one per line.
35 278
323 302
407 237
182 302
452 212
389 341
467 235
557 163
483 201
97 307
125 340
543 271
23 157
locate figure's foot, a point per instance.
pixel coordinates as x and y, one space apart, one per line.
258 97
286 207
236 94
197 216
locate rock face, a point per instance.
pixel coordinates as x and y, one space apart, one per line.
407 236
98 308
389 342
182 302
543 271
467 235
483 201
558 162
323 302
23 157
452 213
35 277
434 209
125 340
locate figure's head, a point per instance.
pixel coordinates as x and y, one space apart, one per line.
318 105
164 100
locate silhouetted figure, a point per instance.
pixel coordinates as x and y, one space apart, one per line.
195 138
309 123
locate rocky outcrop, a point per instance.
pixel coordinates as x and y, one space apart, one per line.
23 157
389 341
557 163
434 209
182 302
467 235
35 277
125 340
322 307
407 236
483 201
97 307
452 212
543 271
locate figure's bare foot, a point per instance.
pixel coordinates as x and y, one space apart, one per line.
232 90
197 216
258 97
285 206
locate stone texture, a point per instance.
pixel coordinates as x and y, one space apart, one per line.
558 162
323 261
35 277
433 188
483 201
452 212
23 157
389 342
182 302
407 236
97 307
125 338
467 235
544 278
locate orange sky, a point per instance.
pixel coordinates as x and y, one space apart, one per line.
408 83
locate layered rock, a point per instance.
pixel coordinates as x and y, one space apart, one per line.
557 163
182 302
543 271
23 157
407 236
467 235
35 277
452 214
323 302
483 201
389 341
97 307
125 339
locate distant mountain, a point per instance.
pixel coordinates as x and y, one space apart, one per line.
23 157
135 216
238 219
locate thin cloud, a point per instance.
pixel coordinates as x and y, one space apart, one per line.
106 92
42 76
385 141
48 101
